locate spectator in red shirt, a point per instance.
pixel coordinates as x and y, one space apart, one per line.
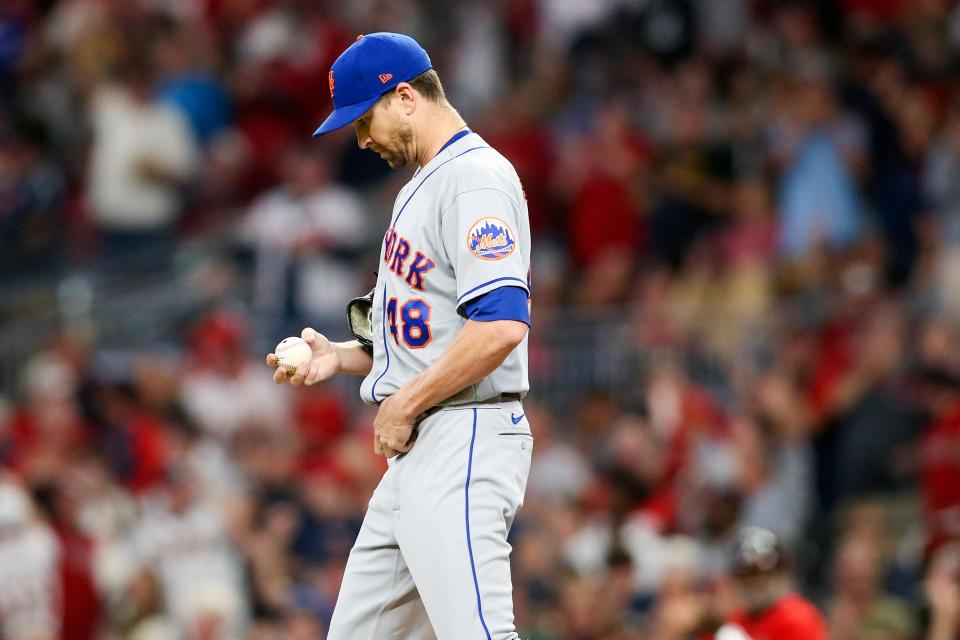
80 605
940 457
771 610
599 178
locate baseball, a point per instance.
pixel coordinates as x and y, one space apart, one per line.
292 352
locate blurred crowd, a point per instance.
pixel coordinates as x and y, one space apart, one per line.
746 278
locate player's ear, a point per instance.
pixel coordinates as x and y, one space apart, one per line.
408 97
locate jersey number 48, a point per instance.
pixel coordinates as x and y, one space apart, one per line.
414 322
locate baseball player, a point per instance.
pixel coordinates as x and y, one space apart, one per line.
447 365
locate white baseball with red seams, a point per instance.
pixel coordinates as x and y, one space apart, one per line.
291 353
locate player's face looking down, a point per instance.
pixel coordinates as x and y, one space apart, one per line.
387 128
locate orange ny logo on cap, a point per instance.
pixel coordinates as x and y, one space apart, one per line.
330 79
385 78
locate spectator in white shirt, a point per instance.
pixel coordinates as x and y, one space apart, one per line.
29 570
224 389
302 234
142 158
185 541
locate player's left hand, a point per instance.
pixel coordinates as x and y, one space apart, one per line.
392 428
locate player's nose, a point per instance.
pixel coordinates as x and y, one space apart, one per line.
363 140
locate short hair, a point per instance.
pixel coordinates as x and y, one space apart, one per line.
427 84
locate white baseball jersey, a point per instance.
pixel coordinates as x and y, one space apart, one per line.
459 229
199 570
432 559
29 583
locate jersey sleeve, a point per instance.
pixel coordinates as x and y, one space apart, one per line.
483 237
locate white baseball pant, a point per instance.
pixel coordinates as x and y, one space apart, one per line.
432 559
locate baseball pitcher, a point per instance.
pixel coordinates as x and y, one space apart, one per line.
444 356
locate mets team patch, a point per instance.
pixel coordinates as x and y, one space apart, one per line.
491 239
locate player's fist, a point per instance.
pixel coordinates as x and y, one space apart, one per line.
322 364
393 428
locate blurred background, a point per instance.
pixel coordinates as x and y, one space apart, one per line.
746 276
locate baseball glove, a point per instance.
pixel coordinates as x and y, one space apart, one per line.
360 319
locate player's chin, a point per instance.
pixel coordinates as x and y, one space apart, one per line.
395 162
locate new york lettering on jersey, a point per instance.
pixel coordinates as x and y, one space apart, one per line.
396 250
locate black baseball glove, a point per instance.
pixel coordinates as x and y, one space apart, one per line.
360 319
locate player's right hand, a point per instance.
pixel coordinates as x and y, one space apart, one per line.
380 448
324 363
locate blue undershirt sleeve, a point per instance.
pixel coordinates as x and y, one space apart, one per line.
503 303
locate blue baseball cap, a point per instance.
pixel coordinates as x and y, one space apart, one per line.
371 66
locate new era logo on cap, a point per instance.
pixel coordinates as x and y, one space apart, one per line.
391 58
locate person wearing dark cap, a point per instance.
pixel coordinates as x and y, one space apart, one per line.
770 609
